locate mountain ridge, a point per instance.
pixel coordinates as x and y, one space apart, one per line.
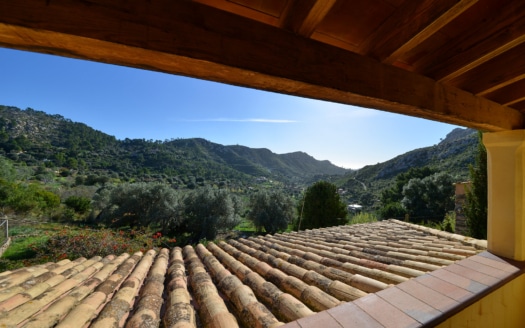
34 136
37 138
453 154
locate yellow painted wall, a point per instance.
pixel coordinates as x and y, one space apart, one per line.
505 307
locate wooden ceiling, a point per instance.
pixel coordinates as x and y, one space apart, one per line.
455 61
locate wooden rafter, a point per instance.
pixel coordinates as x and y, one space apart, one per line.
305 16
508 95
430 29
489 76
188 38
413 19
486 41
242 10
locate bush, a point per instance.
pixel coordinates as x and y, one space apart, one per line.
363 218
392 211
78 204
449 223
86 243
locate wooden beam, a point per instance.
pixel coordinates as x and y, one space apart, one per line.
187 38
413 19
430 30
490 76
518 100
242 10
482 42
508 95
305 16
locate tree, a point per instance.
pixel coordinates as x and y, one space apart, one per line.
139 204
430 198
391 206
476 205
395 193
272 211
208 211
321 206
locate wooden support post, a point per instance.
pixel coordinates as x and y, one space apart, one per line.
506 193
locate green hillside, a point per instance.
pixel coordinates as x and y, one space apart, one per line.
453 155
36 138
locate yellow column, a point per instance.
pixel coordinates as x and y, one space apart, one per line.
506 193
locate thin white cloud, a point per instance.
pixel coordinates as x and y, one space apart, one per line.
243 120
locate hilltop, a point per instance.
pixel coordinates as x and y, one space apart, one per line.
453 155
36 138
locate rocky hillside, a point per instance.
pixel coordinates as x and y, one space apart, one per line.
35 137
453 154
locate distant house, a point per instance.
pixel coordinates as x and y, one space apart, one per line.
354 208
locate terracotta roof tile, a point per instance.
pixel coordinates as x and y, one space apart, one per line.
330 277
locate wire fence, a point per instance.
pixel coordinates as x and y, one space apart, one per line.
4 235
4 231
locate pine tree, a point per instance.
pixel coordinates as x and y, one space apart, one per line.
320 207
476 205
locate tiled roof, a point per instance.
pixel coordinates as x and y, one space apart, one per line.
264 281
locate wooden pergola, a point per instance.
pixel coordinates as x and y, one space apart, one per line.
455 61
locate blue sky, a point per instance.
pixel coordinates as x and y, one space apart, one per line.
132 103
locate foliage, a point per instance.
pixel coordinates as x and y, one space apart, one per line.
25 198
78 204
53 242
476 204
138 204
453 154
74 148
395 193
7 169
321 206
449 222
208 211
392 211
271 210
391 198
429 198
363 218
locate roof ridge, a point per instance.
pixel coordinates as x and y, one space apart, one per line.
479 244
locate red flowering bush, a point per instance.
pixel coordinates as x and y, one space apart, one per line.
86 243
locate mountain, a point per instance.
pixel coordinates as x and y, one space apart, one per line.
453 154
37 138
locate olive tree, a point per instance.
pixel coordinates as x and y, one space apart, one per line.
430 198
271 210
207 211
138 204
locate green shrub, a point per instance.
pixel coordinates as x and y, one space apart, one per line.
363 218
449 223
78 204
72 244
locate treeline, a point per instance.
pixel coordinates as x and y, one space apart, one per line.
38 139
191 215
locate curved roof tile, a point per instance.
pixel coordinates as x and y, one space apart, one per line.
263 281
